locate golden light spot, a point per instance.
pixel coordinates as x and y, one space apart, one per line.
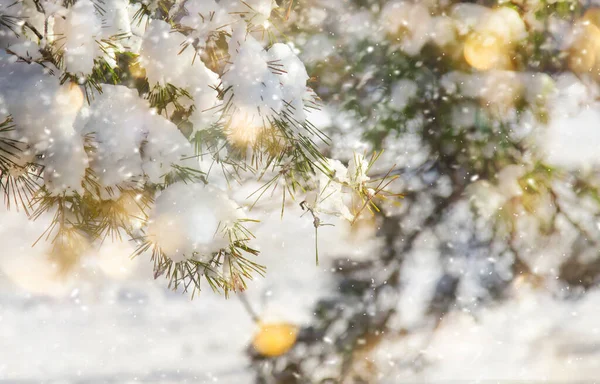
76 96
137 71
275 339
37 273
248 130
70 96
68 246
486 51
585 50
592 16
242 135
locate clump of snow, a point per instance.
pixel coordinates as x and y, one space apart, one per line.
164 59
357 170
115 18
65 162
505 23
578 132
292 80
420 274
160 55
468 16
44 112
334 190
317 48
14 34
465 115
81 27
443 31
190 221
256 12
164 147
26 50
329 196
207 18
571 140
402 92
116 122
35 101
165 63
203 83
121 126
264 84
409 23
255 88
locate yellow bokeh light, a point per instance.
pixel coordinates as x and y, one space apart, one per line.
242 135
486 51
137 71
274 339
70 96
585 49
76 96
592 16
244 128
252 130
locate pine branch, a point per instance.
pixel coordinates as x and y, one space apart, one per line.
226 272
12 23
19 178
161 97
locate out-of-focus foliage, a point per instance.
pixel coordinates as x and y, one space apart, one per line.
486 111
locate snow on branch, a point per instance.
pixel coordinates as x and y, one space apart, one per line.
113 113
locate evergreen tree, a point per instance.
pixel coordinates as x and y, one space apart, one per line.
474 103
128 120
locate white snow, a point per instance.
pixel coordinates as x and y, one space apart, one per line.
90 325
81 28
530 337
190 220
572 138
95 326
402 92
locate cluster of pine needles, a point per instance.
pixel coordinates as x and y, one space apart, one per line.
287 153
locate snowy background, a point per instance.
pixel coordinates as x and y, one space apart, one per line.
466 297
111 322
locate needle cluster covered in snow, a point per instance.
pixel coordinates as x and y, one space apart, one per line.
110 98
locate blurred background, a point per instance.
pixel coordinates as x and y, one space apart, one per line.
488 269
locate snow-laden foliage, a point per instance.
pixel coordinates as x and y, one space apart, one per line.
116 115
488 114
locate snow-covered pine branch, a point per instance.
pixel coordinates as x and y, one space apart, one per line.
113 113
